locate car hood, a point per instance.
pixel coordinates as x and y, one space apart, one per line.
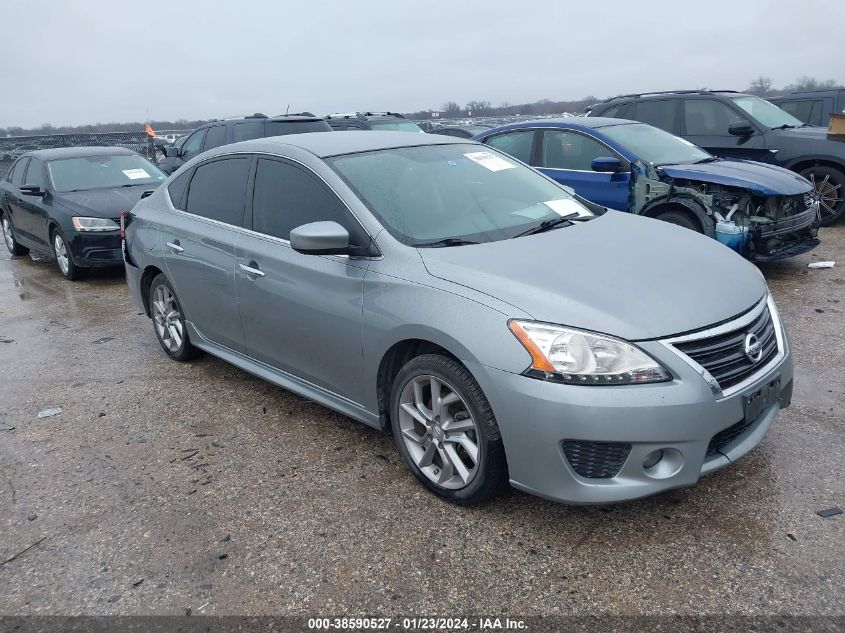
619 274
103 203
758 178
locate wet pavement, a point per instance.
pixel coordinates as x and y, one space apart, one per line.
162 487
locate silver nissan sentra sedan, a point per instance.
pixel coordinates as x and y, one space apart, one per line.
501 327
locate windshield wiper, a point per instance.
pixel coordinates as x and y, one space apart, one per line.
785 126
709 159
449 241
548 225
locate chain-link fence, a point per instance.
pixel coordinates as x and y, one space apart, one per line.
11 147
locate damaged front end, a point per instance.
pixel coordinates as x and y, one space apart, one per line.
759 227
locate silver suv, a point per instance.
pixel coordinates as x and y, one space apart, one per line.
446 291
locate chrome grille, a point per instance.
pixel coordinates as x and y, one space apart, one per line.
723 356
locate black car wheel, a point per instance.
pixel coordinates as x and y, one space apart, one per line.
61 251
9 237
446 431
169 321
828 190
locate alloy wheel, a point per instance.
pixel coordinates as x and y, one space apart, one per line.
167 318
7 233
61 253
439 431
827 194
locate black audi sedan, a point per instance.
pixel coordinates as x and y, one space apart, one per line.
66 204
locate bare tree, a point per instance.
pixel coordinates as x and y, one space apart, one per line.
450 108
762 87
805 83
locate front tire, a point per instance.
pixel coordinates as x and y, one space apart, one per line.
61 252
9 237
679 218
446 431
169 321
828 190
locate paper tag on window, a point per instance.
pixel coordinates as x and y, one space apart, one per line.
135 174
567 206
489 161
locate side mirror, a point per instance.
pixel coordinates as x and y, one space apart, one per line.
32 190
171 151
606 164
740 128
320 238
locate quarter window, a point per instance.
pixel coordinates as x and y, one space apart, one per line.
218 189
215 137
707 117
563 149
287 196
176 190
517 144
247 131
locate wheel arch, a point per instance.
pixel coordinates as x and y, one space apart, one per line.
150 273
805 162
685 205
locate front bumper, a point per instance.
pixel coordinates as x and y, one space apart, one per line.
94 249
680 418
787 237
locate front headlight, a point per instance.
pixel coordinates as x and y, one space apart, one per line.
95 224
584 358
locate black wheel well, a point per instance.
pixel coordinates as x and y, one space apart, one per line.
150 273
806 164
392 361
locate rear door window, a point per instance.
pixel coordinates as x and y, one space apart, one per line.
806 110
218 190
280 128
660 113
215 137
518 144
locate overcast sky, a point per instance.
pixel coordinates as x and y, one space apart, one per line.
88 61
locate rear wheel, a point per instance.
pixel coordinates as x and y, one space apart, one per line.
680 218
445 430
169 322
9 237
828 190
63 258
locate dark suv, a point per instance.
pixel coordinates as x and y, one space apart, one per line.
813 107
227 131
380 121
742 126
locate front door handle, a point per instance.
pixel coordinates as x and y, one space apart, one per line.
253 273
174 246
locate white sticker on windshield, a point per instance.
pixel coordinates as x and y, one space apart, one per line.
135 174
567 206
489 161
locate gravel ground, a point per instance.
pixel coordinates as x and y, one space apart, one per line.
162 487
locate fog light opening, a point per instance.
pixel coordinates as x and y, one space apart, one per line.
652 459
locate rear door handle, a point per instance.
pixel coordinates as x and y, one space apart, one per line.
174 246
250 271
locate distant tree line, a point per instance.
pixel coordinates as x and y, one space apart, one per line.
762 86
47 128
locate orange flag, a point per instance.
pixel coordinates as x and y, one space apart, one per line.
150 131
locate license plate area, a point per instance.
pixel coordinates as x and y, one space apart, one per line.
760 400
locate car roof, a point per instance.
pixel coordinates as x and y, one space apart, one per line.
324 145
575 123
78 152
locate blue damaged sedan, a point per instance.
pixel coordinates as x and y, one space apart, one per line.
761 211
441 290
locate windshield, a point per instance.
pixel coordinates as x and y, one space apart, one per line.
653 145
766 113
426 194
395 126
102 172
